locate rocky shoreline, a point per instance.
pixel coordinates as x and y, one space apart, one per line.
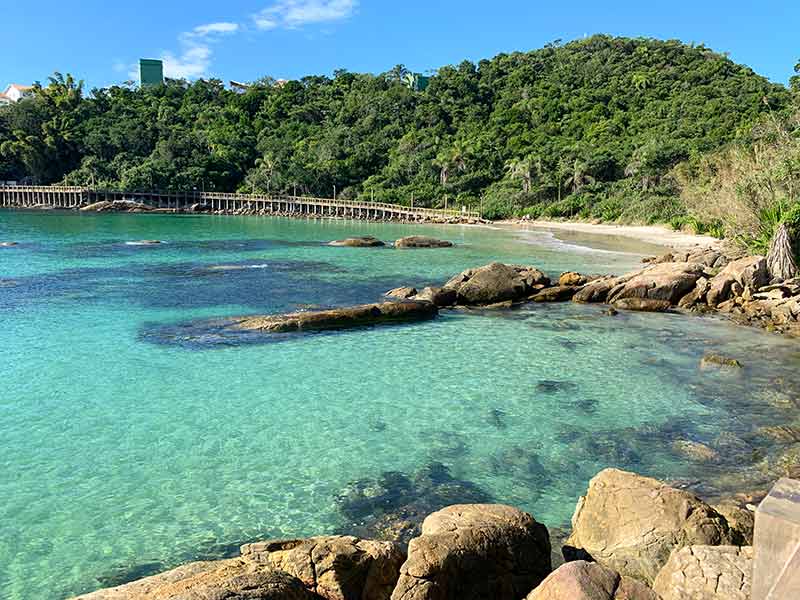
632 538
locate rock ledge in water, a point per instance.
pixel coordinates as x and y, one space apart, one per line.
421 241
340 318
358 242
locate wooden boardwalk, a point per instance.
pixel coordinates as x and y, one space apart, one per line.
74 198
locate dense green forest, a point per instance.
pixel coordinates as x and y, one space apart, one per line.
591 128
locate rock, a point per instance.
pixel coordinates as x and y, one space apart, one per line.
233 579
784 434
698 294
750 271
598 289
712 359
358 242
557 293
339 318
631 523
404 293
421 241
474 552
611 311
334 567
582 580
706 573
571 278
695 451
704 256
97 206
439 297
740 519
117 206
665 281
496 282
642 304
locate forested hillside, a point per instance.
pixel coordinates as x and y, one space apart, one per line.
590 128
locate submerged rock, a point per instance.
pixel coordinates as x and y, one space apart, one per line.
712 359
421 241
496 282
334 567
358 242
474 552
631 523
706 573
582 580
695 451
339 318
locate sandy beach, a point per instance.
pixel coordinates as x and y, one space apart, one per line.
658 236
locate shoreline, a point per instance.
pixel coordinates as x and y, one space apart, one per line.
656 235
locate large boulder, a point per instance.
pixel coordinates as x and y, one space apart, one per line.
598 289
334 567
748 272
339 318
664 281
631 523
421 241
358 242
642 304
234 579
496 282
475 552
706 573
581 580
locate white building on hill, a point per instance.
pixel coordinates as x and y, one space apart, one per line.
14 93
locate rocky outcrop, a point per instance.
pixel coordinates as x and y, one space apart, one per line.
557 293
404 293
666 281
706 573
117 206
439 297
748 272
334 567
475 551
496 282
571 278
339 318
581 580
233 579
421 241
358 242
631 523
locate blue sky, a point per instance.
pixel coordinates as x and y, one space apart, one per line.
101 41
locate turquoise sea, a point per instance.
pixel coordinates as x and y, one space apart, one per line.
133 438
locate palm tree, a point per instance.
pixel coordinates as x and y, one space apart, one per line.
578 176
523 168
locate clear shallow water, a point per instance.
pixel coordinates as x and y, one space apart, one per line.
124 453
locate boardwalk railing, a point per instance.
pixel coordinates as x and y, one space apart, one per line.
68 197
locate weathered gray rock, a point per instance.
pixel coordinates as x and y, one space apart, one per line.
695 451
339 318
581 580
440 297
665 281
358 242
698 294
750 271
117 206
475 552
557 293
642 304
404 293
421 241
706 573
496 282
598 289
334 567
233 579
631 523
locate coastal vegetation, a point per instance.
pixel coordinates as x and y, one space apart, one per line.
603 127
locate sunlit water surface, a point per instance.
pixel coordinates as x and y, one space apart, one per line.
127 448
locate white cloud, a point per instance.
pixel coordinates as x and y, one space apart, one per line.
211 28
296 13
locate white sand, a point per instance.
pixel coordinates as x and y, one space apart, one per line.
651 234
